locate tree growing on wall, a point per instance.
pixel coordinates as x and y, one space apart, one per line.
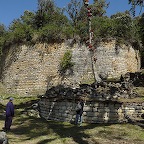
66 62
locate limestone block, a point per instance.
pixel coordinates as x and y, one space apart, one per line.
89 114
120 111
87 108
106 116
64 107
88 119
64 115
96 105
106 109
101 105
95 109
95 114
101 110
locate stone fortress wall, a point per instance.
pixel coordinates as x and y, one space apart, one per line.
31 70
94 111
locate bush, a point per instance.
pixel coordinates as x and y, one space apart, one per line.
66 62
50 33
122 25
103 27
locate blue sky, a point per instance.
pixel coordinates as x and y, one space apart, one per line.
13 9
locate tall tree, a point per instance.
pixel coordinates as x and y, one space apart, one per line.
46 8
141 31
2 29
27 17
141 24
135 3
73 10
99 7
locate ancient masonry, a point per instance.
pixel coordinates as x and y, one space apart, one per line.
103 101
94 111
31 70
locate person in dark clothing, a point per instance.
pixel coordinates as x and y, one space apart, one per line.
79 112
9 114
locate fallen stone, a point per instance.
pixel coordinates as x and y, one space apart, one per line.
3 138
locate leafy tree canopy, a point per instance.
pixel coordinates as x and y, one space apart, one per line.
49 24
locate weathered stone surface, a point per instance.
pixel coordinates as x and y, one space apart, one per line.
111 112
3 138
31 70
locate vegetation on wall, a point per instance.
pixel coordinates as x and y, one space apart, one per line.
66 62
50 24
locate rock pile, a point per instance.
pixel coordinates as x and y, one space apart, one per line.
137 78
104 90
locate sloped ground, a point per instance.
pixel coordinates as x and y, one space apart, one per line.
31 129
34 130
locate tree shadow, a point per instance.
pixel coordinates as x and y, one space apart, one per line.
45 141
32 128
76 133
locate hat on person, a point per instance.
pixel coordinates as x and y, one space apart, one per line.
10 98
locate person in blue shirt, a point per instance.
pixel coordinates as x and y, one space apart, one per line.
9 114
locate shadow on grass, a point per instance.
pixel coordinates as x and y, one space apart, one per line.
26 104
33 128
73 131
45 141
30 128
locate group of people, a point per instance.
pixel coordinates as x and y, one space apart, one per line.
9 113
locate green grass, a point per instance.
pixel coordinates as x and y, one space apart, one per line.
34 130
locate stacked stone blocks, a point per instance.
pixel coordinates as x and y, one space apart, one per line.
94 111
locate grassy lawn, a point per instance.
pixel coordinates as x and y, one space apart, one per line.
33 130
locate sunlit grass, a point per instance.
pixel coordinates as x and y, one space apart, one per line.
34 130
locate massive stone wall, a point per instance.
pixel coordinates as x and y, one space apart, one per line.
94 111
31 70
113 60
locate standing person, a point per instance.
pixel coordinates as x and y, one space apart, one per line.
79 112
9 114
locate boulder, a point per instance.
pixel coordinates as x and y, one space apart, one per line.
3 138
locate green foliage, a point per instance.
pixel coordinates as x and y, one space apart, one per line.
50 33
49 24
123 25
103 27
68 31
1 44
99 7
141 25
39 20
73 10
66 61
135 3
28 17
120 26
82 30
46 6
2 33
2 30
19 32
